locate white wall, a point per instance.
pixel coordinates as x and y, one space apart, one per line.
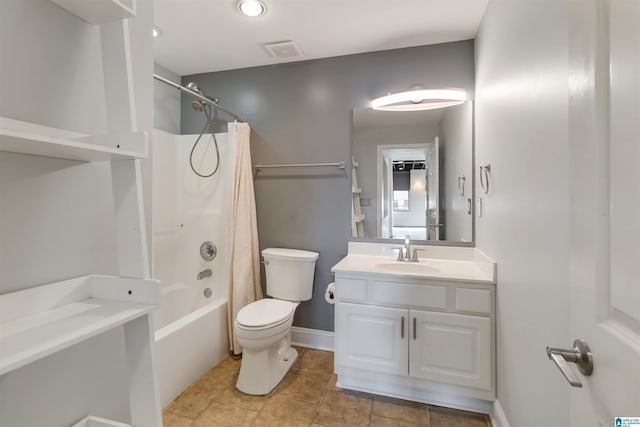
456 142
522 131
55 215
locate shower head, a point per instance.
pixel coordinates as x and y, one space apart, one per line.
196 104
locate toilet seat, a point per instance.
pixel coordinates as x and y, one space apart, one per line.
264 314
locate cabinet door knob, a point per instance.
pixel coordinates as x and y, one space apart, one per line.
402 328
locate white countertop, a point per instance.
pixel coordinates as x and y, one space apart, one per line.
449 264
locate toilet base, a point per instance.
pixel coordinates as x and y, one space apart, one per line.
261 371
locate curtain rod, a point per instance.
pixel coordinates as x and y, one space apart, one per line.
197 95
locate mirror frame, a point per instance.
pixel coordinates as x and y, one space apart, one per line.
452 243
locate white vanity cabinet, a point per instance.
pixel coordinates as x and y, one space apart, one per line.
419 339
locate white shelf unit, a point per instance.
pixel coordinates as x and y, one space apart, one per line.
40 321
28 138
100 11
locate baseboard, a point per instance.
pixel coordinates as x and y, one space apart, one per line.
498 418
312 338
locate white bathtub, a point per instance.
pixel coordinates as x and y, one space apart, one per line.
188 347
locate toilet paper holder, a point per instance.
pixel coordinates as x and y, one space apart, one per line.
330 293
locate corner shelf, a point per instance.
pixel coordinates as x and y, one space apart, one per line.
39 321
28 138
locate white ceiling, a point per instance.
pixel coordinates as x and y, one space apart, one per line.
200 36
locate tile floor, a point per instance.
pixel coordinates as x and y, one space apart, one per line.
307 396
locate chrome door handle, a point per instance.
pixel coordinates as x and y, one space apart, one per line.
580 354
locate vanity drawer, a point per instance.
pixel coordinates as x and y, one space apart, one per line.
406 294
351 289
473 300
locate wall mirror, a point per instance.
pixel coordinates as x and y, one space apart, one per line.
414 174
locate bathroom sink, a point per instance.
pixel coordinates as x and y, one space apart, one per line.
408 267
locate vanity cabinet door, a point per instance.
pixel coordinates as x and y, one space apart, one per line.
451 348
372 338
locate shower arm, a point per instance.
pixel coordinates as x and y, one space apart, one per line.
197 96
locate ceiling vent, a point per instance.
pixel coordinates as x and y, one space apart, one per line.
284 50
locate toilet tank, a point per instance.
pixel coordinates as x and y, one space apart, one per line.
289 273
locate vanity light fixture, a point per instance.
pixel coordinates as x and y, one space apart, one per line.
417 100
252 8
156 32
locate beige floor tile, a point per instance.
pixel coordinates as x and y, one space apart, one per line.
192 402
403 410
174 420
303 385
316 360
221 376
378 421
284 411
232 396
332 383
445 417
344 409
221 415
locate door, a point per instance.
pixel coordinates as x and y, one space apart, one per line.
372 338
433 193
604 206
451 348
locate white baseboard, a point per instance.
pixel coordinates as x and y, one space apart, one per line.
498 418
312 338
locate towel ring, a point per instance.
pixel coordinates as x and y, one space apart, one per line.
461 180
485 170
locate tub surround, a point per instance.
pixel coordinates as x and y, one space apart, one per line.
433 323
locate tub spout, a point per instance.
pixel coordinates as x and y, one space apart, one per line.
204 274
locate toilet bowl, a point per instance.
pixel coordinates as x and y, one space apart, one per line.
263 328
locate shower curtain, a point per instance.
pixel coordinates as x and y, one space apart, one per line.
244 265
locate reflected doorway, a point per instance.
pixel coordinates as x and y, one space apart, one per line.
408 202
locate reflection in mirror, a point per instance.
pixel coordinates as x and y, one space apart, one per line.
413 174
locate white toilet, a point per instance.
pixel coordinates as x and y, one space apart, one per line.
263 328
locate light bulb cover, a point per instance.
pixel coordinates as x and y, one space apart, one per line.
252 8
418 100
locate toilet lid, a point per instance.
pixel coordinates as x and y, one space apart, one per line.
265 312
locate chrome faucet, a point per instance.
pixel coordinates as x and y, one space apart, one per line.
404 252
204 274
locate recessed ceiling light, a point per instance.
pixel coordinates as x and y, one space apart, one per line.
252 8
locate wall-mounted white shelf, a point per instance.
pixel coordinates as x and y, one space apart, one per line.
99 11
40 321
28 138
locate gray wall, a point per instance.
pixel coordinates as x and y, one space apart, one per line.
301 113
166 102
522 120
56 215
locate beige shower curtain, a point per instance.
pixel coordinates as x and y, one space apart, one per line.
244 266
